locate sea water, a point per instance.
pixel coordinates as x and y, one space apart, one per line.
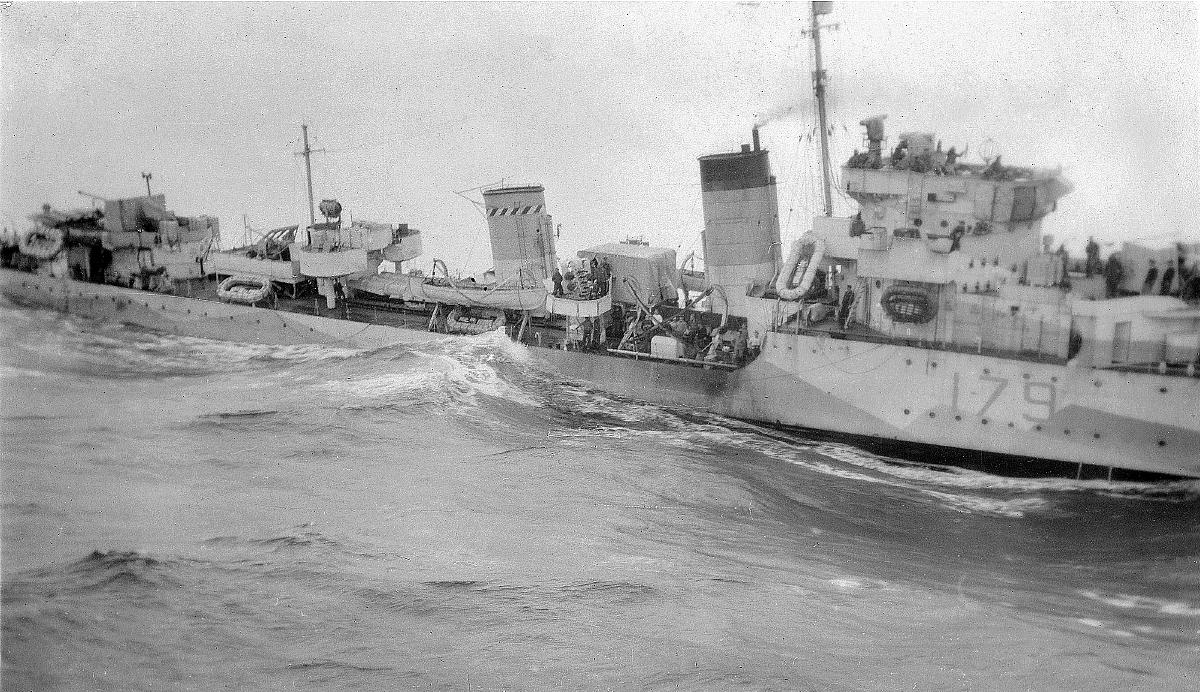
183 513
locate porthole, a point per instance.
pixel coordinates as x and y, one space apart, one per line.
1163 390
1026 376
958 418
932 414
1037 427
1010 424
984 421
1162 443
906 412
1096 435
1067 432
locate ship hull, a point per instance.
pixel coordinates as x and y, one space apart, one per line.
897 394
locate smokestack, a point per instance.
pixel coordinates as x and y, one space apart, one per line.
754 137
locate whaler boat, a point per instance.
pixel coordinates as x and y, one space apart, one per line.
934 322
248 290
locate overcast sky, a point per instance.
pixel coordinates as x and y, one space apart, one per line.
608 105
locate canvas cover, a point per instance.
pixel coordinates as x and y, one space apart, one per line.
651 270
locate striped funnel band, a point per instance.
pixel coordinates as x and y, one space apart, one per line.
515 211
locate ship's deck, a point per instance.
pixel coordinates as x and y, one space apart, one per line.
857 332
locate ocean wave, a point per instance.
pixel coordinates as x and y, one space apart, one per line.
107 569
967 479
433 384
10 372
305 538
1161 606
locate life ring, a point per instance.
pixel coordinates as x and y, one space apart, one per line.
244 289
802 259
42 243
909 304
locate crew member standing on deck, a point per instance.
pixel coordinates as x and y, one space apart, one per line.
557 278
1114 274
1151 279
339 295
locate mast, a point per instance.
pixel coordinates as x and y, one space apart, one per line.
307 153
818 9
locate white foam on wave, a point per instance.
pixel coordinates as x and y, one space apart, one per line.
493 346
231 352
1129 601
9 372
434 380
966 479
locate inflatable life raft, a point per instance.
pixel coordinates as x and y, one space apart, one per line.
802 261
244 289
42 243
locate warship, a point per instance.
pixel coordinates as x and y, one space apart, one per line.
936 323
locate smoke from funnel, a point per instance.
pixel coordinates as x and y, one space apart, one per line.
773 114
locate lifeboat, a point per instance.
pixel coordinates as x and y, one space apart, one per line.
802 260
506 298
244 289
42 243
909 304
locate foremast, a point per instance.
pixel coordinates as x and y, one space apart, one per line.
818 75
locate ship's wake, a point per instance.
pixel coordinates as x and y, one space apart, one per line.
490 374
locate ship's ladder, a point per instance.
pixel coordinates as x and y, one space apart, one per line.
916 198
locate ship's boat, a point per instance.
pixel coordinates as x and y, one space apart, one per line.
244 289
42 243
464 320
804 258
911 304
424 289
482 296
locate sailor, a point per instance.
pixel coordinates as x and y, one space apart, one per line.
956 236
846 305
740 342
339 294
714 346
899 153
1167 280
951 160
1092 264
1114 274
755 345
599 276
857 227
1151 279
938 159
557 278
606 269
